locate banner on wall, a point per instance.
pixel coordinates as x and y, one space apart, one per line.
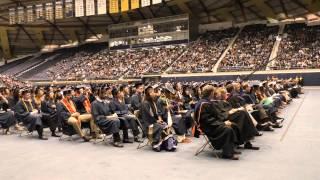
79 8
39 12
20 13
135 4
30 14
102 6
59 10
49 12
156 1
145 3
68 10
124 5
90 8
113 6
12 16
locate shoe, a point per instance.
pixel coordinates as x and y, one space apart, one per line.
259 134
97 136
43 138
280 121
186 140
7 132
137 139
232 157
18 128
277 125
268 128
237 152
250 146
117 144
86 139
55 135
127 141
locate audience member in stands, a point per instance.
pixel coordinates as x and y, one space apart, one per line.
203 54
251 50
299 48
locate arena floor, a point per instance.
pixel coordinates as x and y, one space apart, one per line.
288 153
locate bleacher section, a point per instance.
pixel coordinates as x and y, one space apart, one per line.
251 49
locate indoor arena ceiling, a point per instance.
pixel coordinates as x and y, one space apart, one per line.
31 37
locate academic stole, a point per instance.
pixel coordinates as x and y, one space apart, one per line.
24 104
69 105
87 105
196 126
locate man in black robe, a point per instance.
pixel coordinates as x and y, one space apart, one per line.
70 115
137 98
240 98
25 111
218 130
49 112
7 118
105 117
244 126
127 119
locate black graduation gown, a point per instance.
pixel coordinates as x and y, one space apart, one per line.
7 118
78 102
31 121
149 116
49 114
59 109
127 121
213 125
101 109
179 123
244 125
136 101
127 99
261 115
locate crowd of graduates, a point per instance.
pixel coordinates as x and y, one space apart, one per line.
229 113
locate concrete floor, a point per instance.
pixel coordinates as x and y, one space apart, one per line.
288 153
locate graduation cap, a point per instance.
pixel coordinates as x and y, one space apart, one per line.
138 84
228 82
25 91
78 87
115 91
254 83
202 84
157 85
147 88
123 86
168 87
66 91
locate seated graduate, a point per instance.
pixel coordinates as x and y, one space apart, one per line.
7 118
127 119
169 106
126 91
245 128
137 98
83 106
264 118
70 114
26 112
105 118
49 112
267 103
237 98
219 130
155 127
